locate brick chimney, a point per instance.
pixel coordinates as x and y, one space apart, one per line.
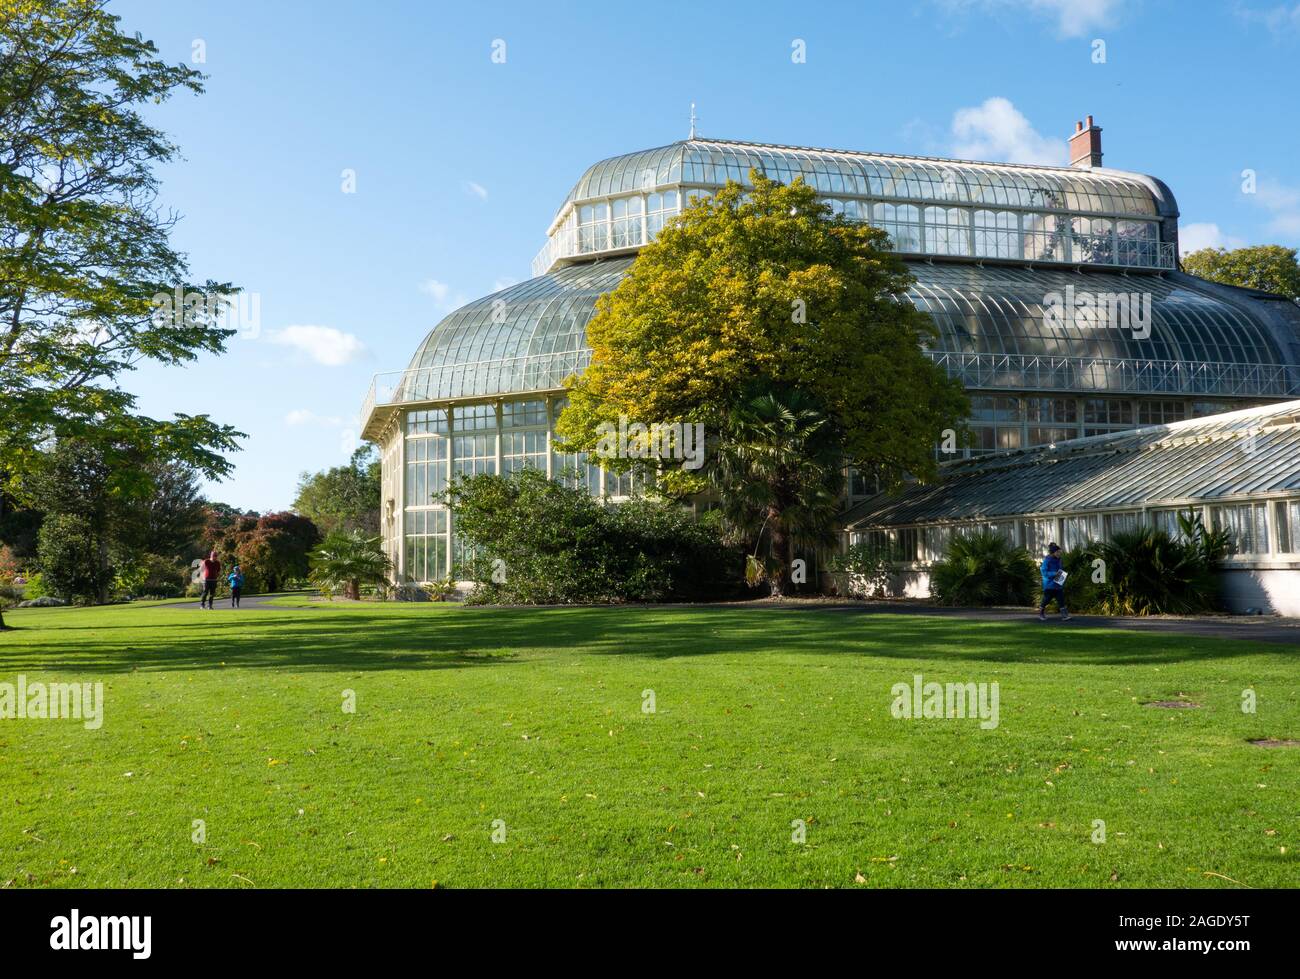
1085 145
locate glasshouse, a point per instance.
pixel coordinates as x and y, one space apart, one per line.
1023 268
1239 471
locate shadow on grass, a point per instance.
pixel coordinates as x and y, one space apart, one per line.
456 638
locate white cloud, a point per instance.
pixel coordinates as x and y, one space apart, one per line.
304 416
1277 20
323 344
1204 234
477 189
444 298
1074 18
1283 204
438 290
999 132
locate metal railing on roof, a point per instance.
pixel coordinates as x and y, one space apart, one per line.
1128 376
979 371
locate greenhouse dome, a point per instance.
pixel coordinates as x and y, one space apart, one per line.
998 251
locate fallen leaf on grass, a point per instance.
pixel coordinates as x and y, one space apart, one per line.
1211 873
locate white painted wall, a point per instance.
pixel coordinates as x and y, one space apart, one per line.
1274 590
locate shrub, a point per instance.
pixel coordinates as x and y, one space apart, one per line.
72 556
1150 573
8 565
862 571
151 574
440 591
1082 594
9 592
540 542
982 569
35 587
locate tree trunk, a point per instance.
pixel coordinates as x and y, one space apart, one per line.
2 620
103 582
780 552
354 590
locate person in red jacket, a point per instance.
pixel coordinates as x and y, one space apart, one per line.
211 574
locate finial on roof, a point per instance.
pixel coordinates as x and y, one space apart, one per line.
692 135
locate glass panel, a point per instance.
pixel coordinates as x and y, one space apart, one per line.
1160 412
523 449
1244 524
1287 515
523 414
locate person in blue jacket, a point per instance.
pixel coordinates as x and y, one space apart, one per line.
236 579
1053 583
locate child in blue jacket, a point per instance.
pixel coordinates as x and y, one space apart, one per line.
236 580
1053 583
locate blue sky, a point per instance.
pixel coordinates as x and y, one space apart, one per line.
460 162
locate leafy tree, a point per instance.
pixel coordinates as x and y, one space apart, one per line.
345 497
224 527
274 550
1271 268
168 518
763 293
143 512
768 289
345 561
73 554
18 525
83 247
85 482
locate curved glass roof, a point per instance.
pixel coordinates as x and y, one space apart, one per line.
999 310
538 321
532 335
880 176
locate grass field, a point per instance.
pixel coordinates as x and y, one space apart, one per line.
535 718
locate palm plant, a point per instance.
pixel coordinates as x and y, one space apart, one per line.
343 561
1150 573
777 471
1213 545
983 569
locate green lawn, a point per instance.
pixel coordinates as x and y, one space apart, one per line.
534 717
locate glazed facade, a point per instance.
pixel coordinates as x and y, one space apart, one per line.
992 248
